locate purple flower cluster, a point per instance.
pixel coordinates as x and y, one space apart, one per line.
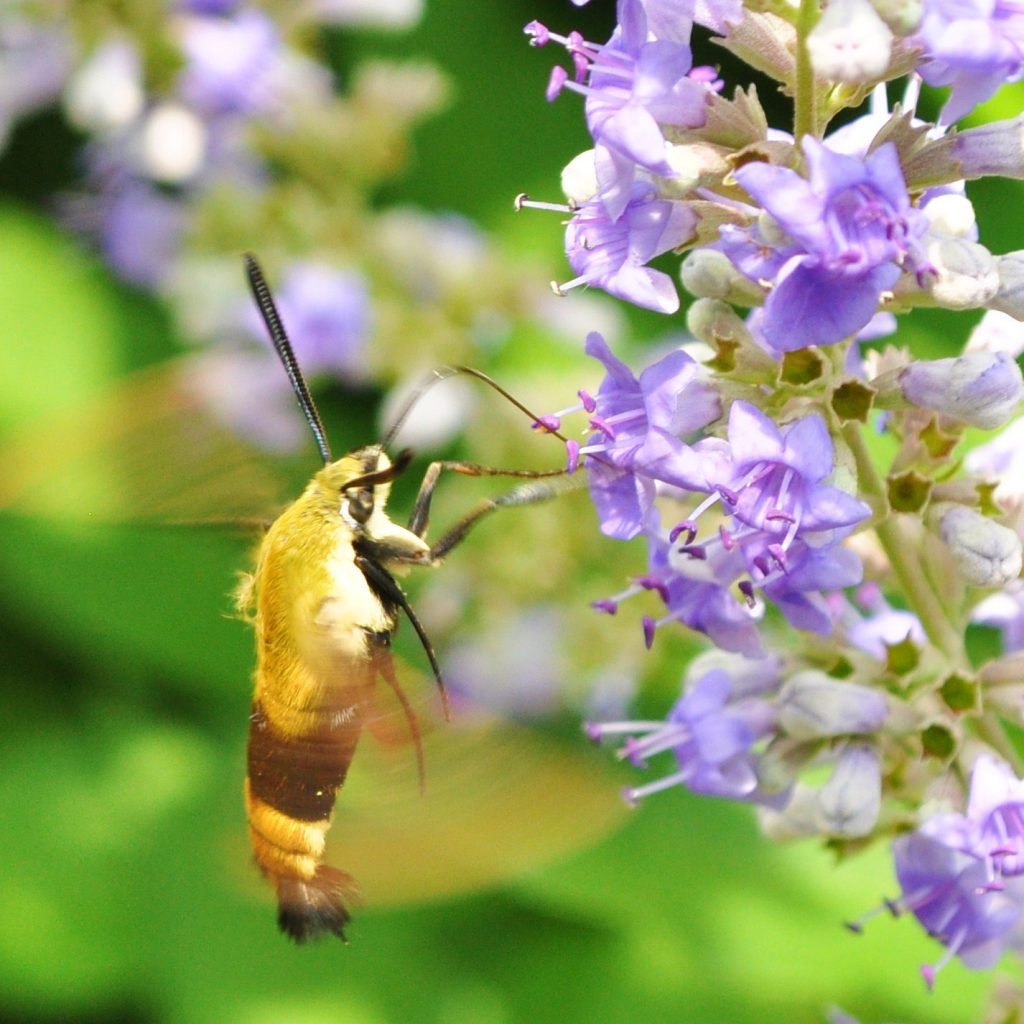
757 478
778 522
637 87
734 710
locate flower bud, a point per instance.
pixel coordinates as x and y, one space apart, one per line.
990 149
966 275
849 802
902 16
850 43
980 388
986 553
813 705
952 215
579 178
709 274
1009 298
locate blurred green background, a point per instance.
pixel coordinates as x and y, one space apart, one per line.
128 895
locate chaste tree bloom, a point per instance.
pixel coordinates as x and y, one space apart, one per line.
972 47
847 573
961 874
848 230
636 85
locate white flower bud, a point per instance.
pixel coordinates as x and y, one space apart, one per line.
986 553
694 164
850 43
951 215
579 178
848 804
106 92
1009 298
708 274
980 388
813 705
799 819
172 145
966 275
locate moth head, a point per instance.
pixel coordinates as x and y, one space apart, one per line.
360 483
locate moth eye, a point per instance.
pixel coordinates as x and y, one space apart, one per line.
360 506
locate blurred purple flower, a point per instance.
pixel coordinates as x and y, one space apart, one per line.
1005 611
137 226
950 893
231 63
883 626
850 228
327 314
35 62
211 7
973 46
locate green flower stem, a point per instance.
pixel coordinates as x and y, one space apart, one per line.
805 114
899 547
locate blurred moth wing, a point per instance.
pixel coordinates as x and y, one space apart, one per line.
502 798
147 450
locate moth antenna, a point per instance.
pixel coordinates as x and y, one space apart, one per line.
443 373
283 347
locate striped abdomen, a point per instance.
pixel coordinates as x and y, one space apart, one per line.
290 790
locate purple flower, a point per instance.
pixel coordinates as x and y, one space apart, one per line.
960 874
973 46
137 227
612 253
883 627
231 63
772 488
780 535
327 314
141 233
639 424
636 84
210 7
796 591
996 807
697 591
850 227
777 477
950 893
712 731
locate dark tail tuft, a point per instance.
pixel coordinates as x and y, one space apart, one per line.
309 909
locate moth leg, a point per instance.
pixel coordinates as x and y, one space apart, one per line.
386 587
526 494
419 519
